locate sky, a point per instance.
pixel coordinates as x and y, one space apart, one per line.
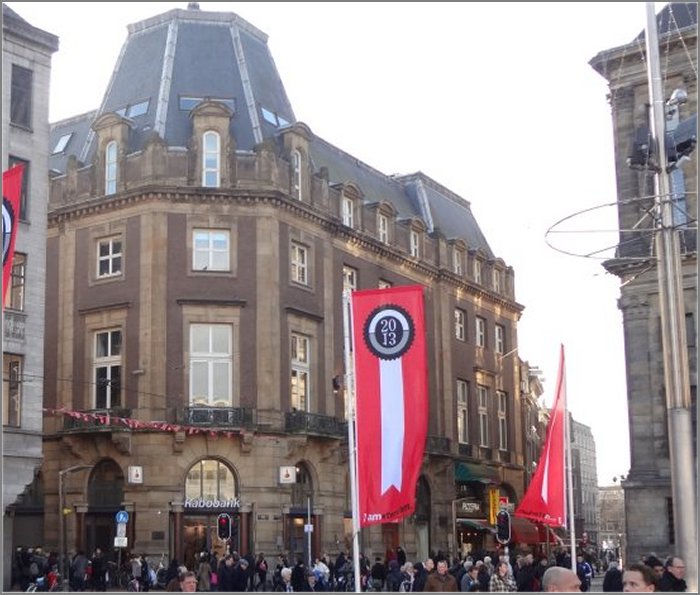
495 101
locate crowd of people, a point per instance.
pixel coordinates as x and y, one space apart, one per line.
482 571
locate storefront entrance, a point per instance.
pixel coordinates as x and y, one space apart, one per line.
200 535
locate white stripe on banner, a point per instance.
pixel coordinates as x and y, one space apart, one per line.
392 421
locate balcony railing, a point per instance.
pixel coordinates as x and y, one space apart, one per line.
313 423
465 450
437 445
97 419
232 417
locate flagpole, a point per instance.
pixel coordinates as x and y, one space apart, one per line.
352 452
569 484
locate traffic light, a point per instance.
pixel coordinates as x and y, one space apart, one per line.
503 527
224 526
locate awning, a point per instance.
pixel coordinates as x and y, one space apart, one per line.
474 472
523 531
480 524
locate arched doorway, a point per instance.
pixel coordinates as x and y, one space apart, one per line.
105 496
211 488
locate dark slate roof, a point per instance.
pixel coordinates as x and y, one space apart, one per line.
673 17
217 55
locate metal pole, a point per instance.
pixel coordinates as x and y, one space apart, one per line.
352 454
671 307
62 532
569 470
308 531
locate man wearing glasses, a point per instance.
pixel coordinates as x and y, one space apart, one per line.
672 579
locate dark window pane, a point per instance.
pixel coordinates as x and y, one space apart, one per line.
21 96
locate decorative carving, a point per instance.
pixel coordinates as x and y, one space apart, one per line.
122 442
178 441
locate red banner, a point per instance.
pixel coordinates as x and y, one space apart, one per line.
391 390
11 193
545 496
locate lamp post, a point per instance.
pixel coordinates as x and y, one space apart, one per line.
62 521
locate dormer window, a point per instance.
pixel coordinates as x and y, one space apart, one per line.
211 160
457 262
296 175
348 211
111 168
415 244
477 271
383 228
62 143
496 280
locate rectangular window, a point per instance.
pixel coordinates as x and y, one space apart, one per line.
211 250
463 411
349 278
299 264
480 332
496 280
500 339
211 365
111 167
477 271
14 297
457 262
109 257
107 369
415 244
502 420
383 228
300 367
483 408
24 192
11 389
460 324
21 96
211 160
296 175
348 211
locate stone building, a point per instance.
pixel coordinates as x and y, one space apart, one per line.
26 67
584 473
648 499
611 519
199 241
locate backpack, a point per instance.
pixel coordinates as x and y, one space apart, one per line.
34 568
262 567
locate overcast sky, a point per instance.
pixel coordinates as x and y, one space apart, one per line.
496 102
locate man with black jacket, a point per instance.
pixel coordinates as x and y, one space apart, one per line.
672 580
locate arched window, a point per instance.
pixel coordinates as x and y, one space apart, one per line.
111 168
296 175
210 479
106 486
303 488
211 160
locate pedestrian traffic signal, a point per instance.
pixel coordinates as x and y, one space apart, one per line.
503 527
224 526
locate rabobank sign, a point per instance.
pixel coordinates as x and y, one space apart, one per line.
212 503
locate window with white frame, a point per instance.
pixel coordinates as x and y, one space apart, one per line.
111 167
299 263
457 261
296 175
500 339
14 296
384 284
109 257
348 211
502 420
11 389
463 411
211 159
496 280
349 278
483 409
415 244
211 250
460 324
477 270
383 228
210 479
107 369
300 387
211 365
480 338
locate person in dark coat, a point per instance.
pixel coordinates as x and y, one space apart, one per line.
419 577
240 576
612 582
226 576
394 576
672 580
299 575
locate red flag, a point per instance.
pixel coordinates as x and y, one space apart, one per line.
11 192
391 390
544 500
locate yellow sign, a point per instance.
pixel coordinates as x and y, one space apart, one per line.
493 505
67 511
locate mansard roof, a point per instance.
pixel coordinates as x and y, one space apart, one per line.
171 62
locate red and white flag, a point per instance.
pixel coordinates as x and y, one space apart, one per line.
11 193
544 500
391 389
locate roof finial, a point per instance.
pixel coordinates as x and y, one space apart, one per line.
193 6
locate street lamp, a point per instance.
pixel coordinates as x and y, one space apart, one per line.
62 521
